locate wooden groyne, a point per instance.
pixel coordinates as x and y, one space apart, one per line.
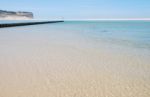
27 23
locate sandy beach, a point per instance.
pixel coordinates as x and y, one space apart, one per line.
36 62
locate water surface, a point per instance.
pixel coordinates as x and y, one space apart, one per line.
76 58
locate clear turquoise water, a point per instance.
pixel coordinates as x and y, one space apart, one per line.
125 33
134 34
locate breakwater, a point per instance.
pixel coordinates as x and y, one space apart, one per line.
26 23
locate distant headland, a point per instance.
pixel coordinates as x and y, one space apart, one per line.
12 15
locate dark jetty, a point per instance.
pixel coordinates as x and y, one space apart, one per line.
27 23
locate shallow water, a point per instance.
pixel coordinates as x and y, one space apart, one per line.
76 58
128 33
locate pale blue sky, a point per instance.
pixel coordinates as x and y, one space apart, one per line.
80 9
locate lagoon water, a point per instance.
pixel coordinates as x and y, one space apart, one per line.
76 59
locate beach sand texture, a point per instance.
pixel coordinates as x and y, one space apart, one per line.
41 63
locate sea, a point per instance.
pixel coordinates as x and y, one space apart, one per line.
127 33
99 58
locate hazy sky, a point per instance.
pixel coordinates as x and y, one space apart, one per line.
80 9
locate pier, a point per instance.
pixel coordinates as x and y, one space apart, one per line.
26 23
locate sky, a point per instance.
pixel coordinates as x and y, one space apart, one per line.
81 9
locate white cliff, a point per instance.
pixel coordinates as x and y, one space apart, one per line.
11 15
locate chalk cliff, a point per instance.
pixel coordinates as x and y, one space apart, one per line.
11 15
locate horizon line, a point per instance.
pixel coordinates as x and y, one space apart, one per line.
96 19
147 19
